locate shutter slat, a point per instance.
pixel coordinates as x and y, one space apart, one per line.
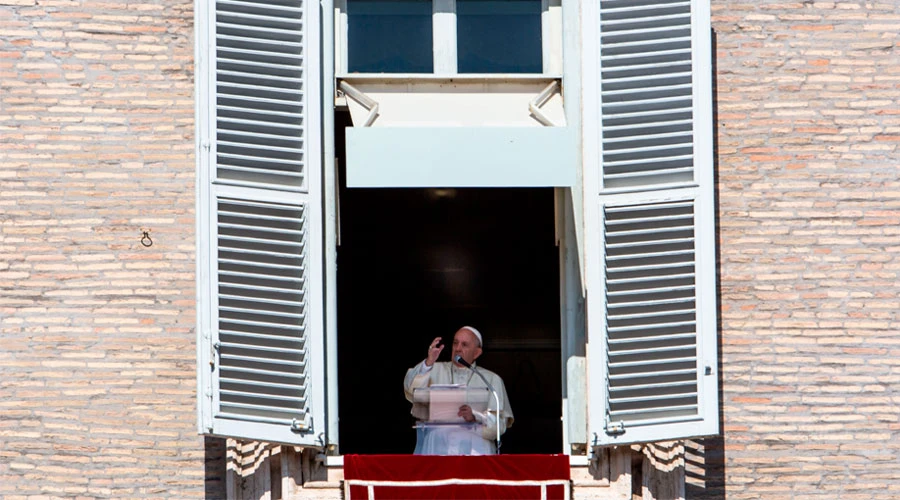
267 385
662 385
227 53
266 253
268 361
649 350
645 149
293 163
258 300
261 147
260 395
261 336
258 408
644 279
287 9
647 137
647 401
290 279
615 27
278 46
642 413
658 159
289 127
616 266
651 363
265 31
659 374
651 114
253 20
656 338
666 175
672 324
649 290
610 6
287 267
646 267
266 373
647 303
274 114
637 64
687 413
639 126
260 313
644 43
650 315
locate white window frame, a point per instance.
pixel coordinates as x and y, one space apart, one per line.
444 43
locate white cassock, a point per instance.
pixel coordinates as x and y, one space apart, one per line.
477 439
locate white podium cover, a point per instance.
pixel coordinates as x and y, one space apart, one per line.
445 432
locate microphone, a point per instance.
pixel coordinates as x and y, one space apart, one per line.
459 359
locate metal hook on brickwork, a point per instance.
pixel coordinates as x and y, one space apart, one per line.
145 240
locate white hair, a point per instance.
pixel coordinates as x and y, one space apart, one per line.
474 332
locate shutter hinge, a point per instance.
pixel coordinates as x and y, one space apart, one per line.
304 425
212 354
615 428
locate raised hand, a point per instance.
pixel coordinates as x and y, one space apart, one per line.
434 350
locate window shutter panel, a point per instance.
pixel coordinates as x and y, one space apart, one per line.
260 306
647 92
653 301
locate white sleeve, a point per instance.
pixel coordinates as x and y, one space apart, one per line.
416 377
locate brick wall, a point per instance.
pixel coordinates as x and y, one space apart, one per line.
97 368
97 361
809 232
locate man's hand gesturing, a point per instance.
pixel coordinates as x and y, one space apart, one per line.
434 350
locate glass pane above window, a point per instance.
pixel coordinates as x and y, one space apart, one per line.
389 36
499 36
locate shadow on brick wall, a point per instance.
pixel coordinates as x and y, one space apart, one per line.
704 468
704 459
214 468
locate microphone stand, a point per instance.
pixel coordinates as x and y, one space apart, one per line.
493 392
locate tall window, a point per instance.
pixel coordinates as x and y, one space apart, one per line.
444 36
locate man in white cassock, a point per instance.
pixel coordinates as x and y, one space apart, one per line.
478 438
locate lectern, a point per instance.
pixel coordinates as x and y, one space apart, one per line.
444 432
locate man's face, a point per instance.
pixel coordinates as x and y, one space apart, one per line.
465 344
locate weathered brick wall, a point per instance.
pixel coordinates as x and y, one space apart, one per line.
809 228
97 369
97 359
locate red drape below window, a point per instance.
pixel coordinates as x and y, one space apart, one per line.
456 477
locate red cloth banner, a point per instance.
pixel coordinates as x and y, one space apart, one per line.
379 477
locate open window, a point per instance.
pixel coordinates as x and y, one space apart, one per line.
646 158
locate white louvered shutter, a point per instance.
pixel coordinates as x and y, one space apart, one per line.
655 309
260 308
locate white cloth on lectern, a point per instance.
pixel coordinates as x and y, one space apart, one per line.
477 440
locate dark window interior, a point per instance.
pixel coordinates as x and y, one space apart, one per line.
414 264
